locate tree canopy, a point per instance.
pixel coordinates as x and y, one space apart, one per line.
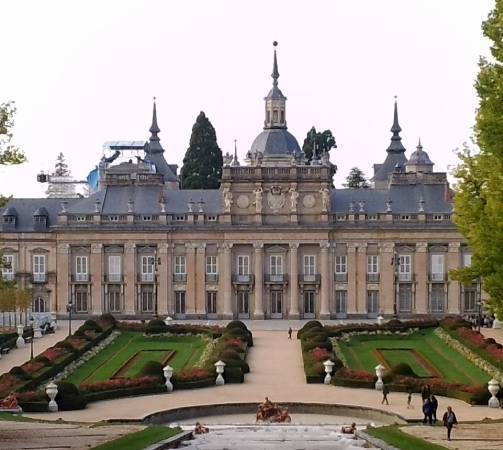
203 161
356 179
9 153
324 142
479 191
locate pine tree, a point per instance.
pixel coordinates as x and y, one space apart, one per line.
356 179
61 167
324 142
60 185
479 192
202 164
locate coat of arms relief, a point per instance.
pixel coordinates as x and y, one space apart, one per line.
276 198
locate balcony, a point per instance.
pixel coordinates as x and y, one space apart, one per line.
373 278
437 277
212 278
242 279
310 278
276 278
341 277
38 278
114 278
8 276
180 277
146 278
80 277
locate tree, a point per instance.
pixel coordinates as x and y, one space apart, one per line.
356 179
479 191
324 143
202 164
61 167
60 185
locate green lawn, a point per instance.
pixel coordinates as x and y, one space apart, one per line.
396 437
140 439
105 364
396 356
360 354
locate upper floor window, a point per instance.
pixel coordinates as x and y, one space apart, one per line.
404 267
243 265
340 264
211 265
147 268
437 267
81 268
372 264
39 268
114 268
467 260
8 267
180 266
309 265
276 264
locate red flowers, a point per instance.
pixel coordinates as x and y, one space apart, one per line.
120 383
359 375
53 353
31 396
320 354
192 374
32 367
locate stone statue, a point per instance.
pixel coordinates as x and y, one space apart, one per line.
227 159
294 196
388 206
351 206
325 196
361 206
258 199
227 200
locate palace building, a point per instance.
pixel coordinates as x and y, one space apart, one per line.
276 241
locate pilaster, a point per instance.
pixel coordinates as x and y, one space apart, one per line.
201 279
162 273
225 280
258 311
96 279
361 277
421 269
387 284
325 281
453 289
190 295
293 282
129 277
63 294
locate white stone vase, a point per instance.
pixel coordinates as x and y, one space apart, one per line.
380 320
168 373
219 366
20 342
52 390
493 387
329 366
380 373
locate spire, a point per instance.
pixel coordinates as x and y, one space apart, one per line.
154 128
275 73
396 141
419 146
235 161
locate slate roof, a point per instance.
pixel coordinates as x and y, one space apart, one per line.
276 141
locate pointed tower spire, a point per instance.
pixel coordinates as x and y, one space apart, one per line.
419 146
275 102
275 73
154 128
396 141
235 161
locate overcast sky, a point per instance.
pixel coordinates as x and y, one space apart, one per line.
84 72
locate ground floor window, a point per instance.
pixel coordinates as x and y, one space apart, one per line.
372 302
276 302
211 302
147 299
309 302
81 298
179 302
405 298
39 305
341 302
114 298
470 300
243 302
437 300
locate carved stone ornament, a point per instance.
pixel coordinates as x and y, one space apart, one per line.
276 199
243 201
309 201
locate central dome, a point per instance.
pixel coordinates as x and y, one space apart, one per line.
276 141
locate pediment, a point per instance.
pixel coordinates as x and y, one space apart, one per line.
276 249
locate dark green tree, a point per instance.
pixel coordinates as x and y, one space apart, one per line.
202 164
479 191
324 142
356 179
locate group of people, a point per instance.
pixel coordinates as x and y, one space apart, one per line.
483 320
430 407
270 412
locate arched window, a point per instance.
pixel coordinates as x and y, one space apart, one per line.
39 305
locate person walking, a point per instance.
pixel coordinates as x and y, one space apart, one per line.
409 400
434 407
385 392
290 331
425 392
427 411
450 421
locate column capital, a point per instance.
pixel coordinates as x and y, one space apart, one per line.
352 247
294 246
191 246
454 247
227 246
387 247
421 247
163 248
129 247
201 247
64 248
96 248
324 246
258 246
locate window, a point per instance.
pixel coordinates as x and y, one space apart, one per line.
113 218
8 267
114 298
39 305
147 268
179 302
276 302
243 265
341 268
80 218
243 302
437 267
179 218
405 298
404 268
39 270
437 301
372 268
114 268
438 217
275 116
81 298
467 260
211 265
309 267
341 302
268 116
211 302
147 218
470 300
81 268
309 302
282 116
211 218
147 299
180 267
276 267
372 302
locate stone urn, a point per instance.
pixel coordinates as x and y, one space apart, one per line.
493 387
52 390
379 373
20 343
37 331
168 320
168 373
329 366
380 320
219 366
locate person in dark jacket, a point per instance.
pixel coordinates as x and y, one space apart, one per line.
450 421
425 392
385 392
427 411
434 407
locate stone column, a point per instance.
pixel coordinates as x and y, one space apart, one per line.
258 312
162 279
201 280
361 278
63 293
421 269
130 278
352 306
453 289
387 284
294 282
225 280
190 293
325 281
96 279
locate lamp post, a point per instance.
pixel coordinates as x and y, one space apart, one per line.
32 323
479 314
69 309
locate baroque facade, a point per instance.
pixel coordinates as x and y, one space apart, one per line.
275 241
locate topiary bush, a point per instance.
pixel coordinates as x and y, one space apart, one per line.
244 334
243 365
156 326
69 397
236 324
394 323
229 354
308 326
108 318
152 368
19 373
66 345
91 325
44 360
233 375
